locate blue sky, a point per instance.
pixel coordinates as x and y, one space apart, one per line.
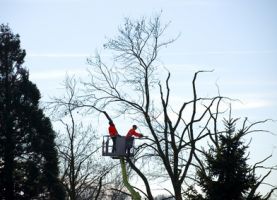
236 38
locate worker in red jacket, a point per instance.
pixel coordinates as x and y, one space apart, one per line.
113 134
130 139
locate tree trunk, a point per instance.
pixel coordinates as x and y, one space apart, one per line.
177 191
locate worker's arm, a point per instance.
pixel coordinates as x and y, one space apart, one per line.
137 134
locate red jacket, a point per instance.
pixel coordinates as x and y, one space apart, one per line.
112 131
132 132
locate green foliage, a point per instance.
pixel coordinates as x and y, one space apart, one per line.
192 194
226 174
28 158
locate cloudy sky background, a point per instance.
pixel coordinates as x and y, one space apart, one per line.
235 38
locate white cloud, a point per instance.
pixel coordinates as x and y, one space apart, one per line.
56 74
251 104
58 55
234 52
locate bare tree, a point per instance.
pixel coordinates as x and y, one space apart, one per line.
129 88
83 174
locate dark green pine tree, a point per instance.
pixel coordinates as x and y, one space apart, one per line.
227 175
28 158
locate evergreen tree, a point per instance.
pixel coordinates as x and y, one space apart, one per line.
28 158
227 175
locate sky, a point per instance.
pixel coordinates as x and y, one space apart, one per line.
235 38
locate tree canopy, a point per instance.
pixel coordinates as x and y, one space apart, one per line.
28 156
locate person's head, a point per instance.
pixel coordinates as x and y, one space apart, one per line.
111 123
135 127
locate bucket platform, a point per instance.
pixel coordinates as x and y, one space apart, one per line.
107 146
